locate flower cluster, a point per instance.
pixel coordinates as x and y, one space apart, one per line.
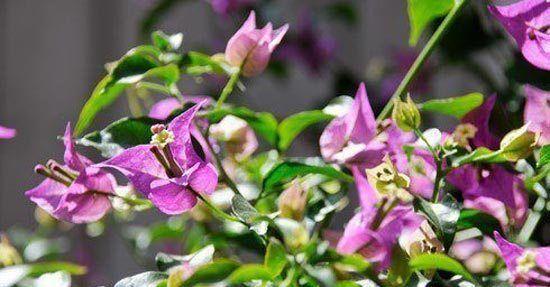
450 207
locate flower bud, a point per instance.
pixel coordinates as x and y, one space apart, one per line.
387 180
295 234
8 254
405 114
519 143
292 202
230 128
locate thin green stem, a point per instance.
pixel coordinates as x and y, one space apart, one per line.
440 173
225 177
422 57
228 89
215 210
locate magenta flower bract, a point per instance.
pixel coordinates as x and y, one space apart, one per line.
228 6
76 191
528 21
494 191
351 139
375 243
528 267
7 133
537 112
170 172
479 117
250 48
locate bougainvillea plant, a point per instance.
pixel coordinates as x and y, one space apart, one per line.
452 207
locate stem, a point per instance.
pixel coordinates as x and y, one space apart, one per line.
440 174
422 57
215 210
225 177
228 89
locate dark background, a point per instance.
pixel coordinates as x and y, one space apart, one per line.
52 54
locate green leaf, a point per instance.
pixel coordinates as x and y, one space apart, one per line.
292 126
146 279
544 156
356 261
212 272
243 209
196 64
263 123
166 42
481 154
120 135
102 96
470 218
275 258
456 107
399 270
286 171
11 275
249 272
422 13
201 257
443 216
131 68
430 261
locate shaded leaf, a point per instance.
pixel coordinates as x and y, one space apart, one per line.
212 272
243 209
486 223
443 216
263 123
292 126
457 107
286 171
196 63
120 135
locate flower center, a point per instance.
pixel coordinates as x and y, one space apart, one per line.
57 172
160 142
526 262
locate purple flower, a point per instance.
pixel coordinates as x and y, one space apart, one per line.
479 118
162 109
227 6
537 112
170 171
76 191
528 267
351 138
250 48
528 21
494 191
7 133
313 48
373 235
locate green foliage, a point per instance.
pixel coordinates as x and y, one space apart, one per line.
480 155
470 218
146 279
443 216
422 13
11 275
544 156
456 107
120 135
275 258
286 171
212 272
263 123
292 126
433 261
249 272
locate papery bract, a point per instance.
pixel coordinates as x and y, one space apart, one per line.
495 191
537 112
375 243
77 191
240 139
528 21
250 48
7 133
528 267
479 118
351 139
172 192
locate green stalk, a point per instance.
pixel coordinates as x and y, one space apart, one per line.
422 57
440 174
228 89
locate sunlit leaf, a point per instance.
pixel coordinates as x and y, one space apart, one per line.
457 107
431 261
275 258
147 279
212 272
422 13
544 156
249 272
